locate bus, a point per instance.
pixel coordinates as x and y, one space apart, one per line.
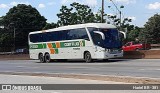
82 41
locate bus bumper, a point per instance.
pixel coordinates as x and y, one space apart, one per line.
118 55
106 55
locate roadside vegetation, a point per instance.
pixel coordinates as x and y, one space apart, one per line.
22 19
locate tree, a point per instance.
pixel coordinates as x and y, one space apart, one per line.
77 14
134 34
23 19
151 32
1 20
124 23
50 26
117 20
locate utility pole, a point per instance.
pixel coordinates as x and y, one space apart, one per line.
120 20
102 13
14 36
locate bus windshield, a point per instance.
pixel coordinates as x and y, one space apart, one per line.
112 39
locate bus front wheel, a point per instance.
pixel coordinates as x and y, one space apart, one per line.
47 58
87 57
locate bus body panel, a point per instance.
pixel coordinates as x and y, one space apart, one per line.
64 52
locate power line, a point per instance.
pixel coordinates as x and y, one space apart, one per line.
120 12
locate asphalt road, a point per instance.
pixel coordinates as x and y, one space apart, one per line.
121 67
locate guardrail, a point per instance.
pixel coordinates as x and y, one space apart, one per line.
153 46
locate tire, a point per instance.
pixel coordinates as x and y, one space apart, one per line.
41 58
137 49
105 60
87 57
47 58
62 60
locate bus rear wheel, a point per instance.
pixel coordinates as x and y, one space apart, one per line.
41 58
47 58
87 57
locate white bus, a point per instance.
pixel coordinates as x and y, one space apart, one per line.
83 41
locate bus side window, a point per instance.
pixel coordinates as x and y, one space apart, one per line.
82 34
45 37
35 38
63 34
32 38
77 34
97 39
91 29
72 34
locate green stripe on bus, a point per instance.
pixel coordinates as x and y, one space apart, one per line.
72 44
37 46
62 45
53 45
56 51
44 45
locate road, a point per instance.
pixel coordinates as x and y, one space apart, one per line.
121 67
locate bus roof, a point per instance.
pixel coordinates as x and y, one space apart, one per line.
96 25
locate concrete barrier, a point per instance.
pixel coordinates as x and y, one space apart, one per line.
146 54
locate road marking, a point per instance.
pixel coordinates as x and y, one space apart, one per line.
20 66
149 69
157 69
141 69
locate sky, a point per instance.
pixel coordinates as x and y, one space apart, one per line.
137 10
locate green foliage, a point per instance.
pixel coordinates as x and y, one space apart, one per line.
134 34
6 41
50 26
65 16
124 23
1 20
151 33
142 36
77 14
24 19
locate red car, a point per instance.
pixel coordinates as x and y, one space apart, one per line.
132 46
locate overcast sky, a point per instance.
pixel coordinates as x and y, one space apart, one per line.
138 10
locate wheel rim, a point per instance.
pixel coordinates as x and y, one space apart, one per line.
41 58
88 57
47 58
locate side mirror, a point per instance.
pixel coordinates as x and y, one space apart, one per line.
100 33
124 34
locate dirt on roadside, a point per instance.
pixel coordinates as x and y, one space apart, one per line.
142 54
15 57
125 79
